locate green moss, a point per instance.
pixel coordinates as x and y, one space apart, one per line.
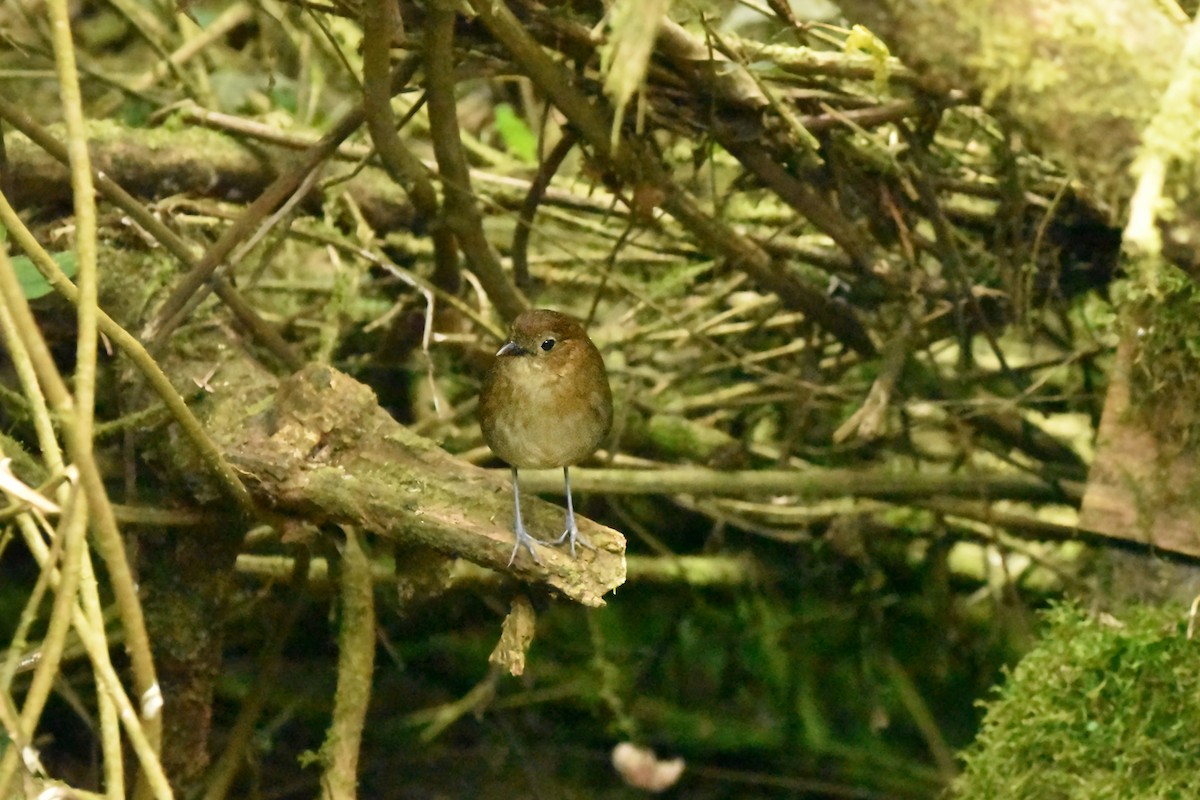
132 279
687 438
1099 709
1164 309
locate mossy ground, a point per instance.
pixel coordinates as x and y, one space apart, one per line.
1100 709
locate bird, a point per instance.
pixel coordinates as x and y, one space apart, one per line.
545 403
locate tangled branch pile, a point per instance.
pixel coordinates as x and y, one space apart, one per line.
852 321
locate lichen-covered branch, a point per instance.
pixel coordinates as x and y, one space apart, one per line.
325 450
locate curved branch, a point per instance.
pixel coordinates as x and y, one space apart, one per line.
519 252
461 213
380 22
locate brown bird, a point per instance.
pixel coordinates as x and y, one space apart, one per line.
545 403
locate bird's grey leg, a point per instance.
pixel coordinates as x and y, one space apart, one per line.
523 538
571 533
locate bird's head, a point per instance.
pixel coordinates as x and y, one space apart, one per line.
543 334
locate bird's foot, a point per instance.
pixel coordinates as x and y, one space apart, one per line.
572 535
526 541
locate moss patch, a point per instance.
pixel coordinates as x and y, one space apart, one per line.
1164 305
1099 709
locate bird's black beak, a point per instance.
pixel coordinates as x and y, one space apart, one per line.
511 349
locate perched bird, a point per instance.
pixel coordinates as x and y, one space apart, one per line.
545 403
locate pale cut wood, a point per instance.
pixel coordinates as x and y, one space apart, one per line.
1140 488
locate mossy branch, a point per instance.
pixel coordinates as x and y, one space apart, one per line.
356 663
326 450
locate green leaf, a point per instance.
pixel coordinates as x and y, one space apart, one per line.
285 97
33 285
862 40
515 134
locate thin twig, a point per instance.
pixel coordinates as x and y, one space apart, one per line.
356 662
809 483
107 536
519 251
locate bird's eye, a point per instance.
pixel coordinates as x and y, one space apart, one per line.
548 345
